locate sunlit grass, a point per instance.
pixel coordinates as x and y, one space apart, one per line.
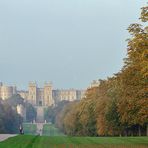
51 130
28 141
29 128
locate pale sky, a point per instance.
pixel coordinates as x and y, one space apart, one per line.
68 42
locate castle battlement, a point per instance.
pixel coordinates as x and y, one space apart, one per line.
46 96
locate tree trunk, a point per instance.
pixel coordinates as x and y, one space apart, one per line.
126 133
139 130
132 133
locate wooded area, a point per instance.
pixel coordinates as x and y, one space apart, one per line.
10 120
119 106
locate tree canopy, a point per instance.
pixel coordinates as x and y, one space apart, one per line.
119 105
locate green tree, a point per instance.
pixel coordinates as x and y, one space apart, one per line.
30 112
9 119
15 100
113 118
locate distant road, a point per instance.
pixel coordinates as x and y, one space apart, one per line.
6 136
40 128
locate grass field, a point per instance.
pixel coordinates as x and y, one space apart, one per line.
29 128
51 130
28 141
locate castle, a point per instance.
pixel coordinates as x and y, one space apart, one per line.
46 96
42 98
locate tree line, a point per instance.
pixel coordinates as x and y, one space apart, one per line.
10 120
119 105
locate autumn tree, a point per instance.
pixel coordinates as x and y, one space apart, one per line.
134 103
119 105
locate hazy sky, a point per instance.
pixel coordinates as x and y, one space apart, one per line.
68 42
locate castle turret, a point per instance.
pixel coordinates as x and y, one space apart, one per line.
32 98
48 99
6 92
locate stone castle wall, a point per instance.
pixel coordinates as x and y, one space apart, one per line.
6 91
46 96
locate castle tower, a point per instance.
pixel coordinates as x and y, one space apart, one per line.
6 92
32 98
48 99
40 97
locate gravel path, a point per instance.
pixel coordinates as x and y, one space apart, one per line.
5 136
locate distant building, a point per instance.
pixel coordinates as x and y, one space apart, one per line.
46 96
95 83
40 98
80 94
23 94
67 94
7 91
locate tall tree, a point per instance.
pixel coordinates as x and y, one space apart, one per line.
134 103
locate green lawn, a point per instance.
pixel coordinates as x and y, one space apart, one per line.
28 141
29 128
51 130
